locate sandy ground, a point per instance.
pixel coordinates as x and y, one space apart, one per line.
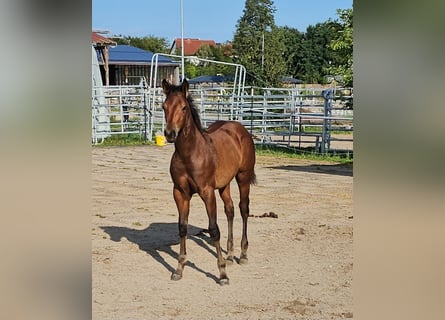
300 264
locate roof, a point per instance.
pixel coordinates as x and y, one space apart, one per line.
209 79
97 39
291 80
191 46
125 54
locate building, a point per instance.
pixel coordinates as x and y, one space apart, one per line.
102 46
125 64
128 64
191 46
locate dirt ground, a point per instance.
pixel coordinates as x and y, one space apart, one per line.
300 264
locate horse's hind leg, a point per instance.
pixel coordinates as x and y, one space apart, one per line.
183 204
244 179
229 210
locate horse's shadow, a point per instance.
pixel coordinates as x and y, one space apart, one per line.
160 237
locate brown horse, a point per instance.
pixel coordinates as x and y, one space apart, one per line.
205 160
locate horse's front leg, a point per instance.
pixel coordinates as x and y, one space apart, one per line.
183 204
229 210
208 196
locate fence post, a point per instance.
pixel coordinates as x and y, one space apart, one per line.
202 109
328 94
147 112
292 115
251 110
264 121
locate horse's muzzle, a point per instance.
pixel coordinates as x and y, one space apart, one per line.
170 135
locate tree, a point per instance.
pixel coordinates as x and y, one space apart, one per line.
292 41
219 53
316 56
257 45
204 51
342 45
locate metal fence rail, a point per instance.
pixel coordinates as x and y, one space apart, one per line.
119 110
292 117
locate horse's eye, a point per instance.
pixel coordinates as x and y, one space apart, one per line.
183 108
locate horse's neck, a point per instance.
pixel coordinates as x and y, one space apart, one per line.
190 141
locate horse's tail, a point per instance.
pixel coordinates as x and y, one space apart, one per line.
253 179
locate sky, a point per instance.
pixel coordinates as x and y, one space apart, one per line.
203 19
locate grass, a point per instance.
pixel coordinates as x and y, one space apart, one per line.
303 153
127 139
319 129
261 150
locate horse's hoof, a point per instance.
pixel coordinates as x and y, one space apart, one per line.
224 281
229 260
243 260
176 276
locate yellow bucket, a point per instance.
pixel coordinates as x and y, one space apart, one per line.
160 141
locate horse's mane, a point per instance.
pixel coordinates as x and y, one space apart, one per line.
195 113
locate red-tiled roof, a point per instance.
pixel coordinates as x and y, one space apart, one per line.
191 46
98 39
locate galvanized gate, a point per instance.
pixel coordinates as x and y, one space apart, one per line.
121 110
292 117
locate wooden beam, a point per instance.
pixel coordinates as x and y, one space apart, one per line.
106 67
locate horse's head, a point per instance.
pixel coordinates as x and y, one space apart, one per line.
176 106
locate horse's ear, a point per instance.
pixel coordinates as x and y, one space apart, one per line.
166 86
185 87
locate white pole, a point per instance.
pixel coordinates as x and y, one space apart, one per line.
182 40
